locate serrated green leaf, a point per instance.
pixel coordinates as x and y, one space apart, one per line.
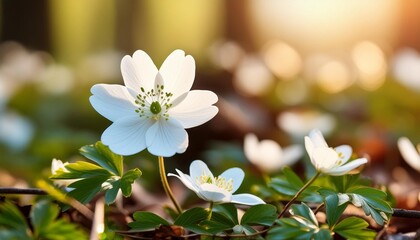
333 211
103 156
354 228
303 211
147 221
229 211
263 214
42 215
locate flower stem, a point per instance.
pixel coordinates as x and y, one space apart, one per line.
210 210
298 194
166 185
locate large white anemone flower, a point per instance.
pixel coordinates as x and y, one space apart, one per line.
216 189
409 152
268 155
330 161
154 107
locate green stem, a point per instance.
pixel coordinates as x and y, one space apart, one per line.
166 185
298 194
210 210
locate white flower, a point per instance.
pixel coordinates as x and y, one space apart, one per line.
154 107
300 123
216 189
331 161
59 165
409 153
268 155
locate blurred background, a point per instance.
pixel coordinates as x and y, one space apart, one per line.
280 69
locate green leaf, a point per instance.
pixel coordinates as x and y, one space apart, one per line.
85 189
43 218
147 221
79 170
292 177
191 218
322 234
63 230
373 203
111 194
128 179
263 214
345 182
354 228
333 211
229 211
42 215
303 211
11 218
215 226
103 156
290 228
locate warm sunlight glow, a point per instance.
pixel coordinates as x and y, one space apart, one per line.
324 25
334 77
252 77
282 59
370 62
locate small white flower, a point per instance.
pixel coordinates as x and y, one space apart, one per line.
216 189
268 155
300 123
409 153
59 165
331 161
154 107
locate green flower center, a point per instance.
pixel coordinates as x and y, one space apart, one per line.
154 103
155 107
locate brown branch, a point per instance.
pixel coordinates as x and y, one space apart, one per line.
32 191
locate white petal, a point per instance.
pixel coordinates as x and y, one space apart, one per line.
195 109
317 138
291 154
198 168
409 153
236 174
166 137
246 199
344 153
126 136
343 198
211 192
185 179
112 101
138 71
178 71
309 146
325 158
251 147
338 171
